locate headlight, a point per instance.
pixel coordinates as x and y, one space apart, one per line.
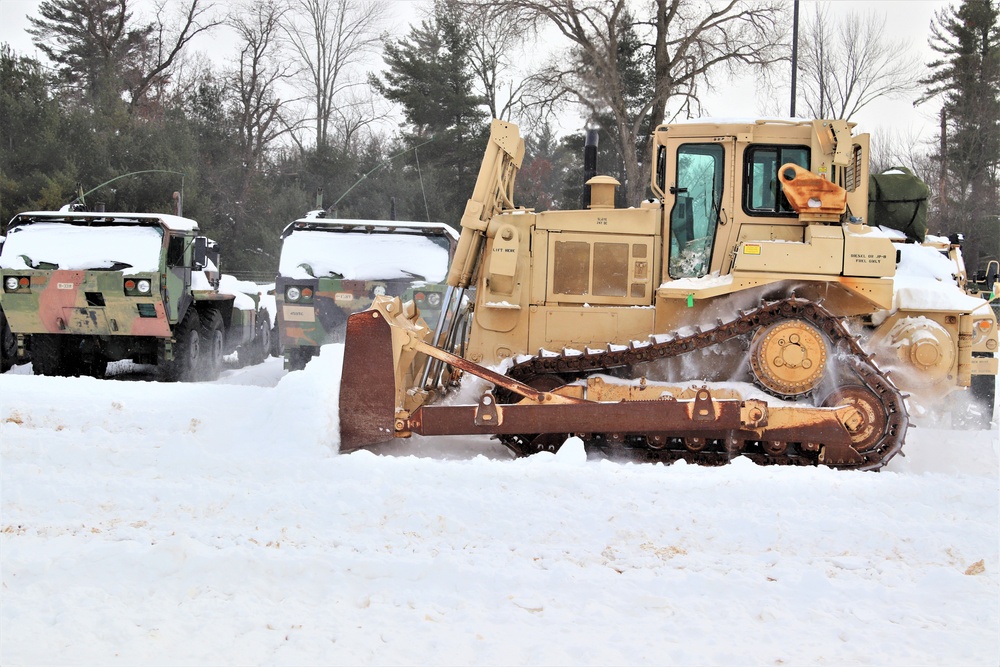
293 293
143 286
10 283
981 329
434 299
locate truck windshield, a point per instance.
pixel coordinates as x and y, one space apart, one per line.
693 219
364 256
60 245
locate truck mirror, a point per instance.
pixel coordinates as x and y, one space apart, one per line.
200 252
992 271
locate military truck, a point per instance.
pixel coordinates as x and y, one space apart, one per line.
747 308
8 344
332 268
83 289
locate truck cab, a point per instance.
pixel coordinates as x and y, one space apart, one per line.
332 268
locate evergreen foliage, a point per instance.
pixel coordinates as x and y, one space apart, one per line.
429 75
967 78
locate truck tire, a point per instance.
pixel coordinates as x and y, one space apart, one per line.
97 366
260 346
183 366
213 343
277 347
46 355
8 345
298 357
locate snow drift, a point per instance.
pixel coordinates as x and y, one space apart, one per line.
147 523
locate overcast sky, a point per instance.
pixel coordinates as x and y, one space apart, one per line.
908 19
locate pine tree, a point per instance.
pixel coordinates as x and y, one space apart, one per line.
95 46
967 78
430 76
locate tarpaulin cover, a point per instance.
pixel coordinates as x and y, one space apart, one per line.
898 199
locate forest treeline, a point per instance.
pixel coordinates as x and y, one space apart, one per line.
120 109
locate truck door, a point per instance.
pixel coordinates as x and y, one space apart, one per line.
696 209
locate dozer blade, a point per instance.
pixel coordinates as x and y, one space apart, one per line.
368 385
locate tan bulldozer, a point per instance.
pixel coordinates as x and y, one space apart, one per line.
746 308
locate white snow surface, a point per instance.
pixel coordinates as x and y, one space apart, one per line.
76 247
925 280
362 256
216 524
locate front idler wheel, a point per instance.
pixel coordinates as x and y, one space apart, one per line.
868 428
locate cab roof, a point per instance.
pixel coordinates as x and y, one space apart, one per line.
171 222
371 227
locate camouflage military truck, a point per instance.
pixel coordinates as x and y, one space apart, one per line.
83 289
8 344
332 268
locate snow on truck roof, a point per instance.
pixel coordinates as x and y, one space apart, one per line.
46 241
390 255
171 222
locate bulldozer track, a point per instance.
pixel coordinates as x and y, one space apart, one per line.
548 370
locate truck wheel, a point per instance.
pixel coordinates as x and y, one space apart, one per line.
46 355
277 348
213 342
186 350
97 367
261 344
8 345
298 357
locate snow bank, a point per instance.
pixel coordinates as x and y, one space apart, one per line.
147 523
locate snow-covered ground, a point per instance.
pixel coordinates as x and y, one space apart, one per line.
214 523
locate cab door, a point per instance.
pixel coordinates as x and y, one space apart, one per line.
696 176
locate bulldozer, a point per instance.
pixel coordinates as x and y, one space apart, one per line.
747 308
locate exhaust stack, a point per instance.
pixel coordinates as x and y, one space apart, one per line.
589 163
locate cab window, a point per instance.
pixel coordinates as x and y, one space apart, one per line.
694 217
762 193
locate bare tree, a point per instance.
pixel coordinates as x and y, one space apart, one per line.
331 37
498 39
896 147
845 64
253 81
104 55
634 68
169 39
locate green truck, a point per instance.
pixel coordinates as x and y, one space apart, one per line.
82 289
8 344
332 268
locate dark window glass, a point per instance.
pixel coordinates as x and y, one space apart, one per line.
762 193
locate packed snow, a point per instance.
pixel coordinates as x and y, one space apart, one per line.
925 280
215 523
310 253
77 247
